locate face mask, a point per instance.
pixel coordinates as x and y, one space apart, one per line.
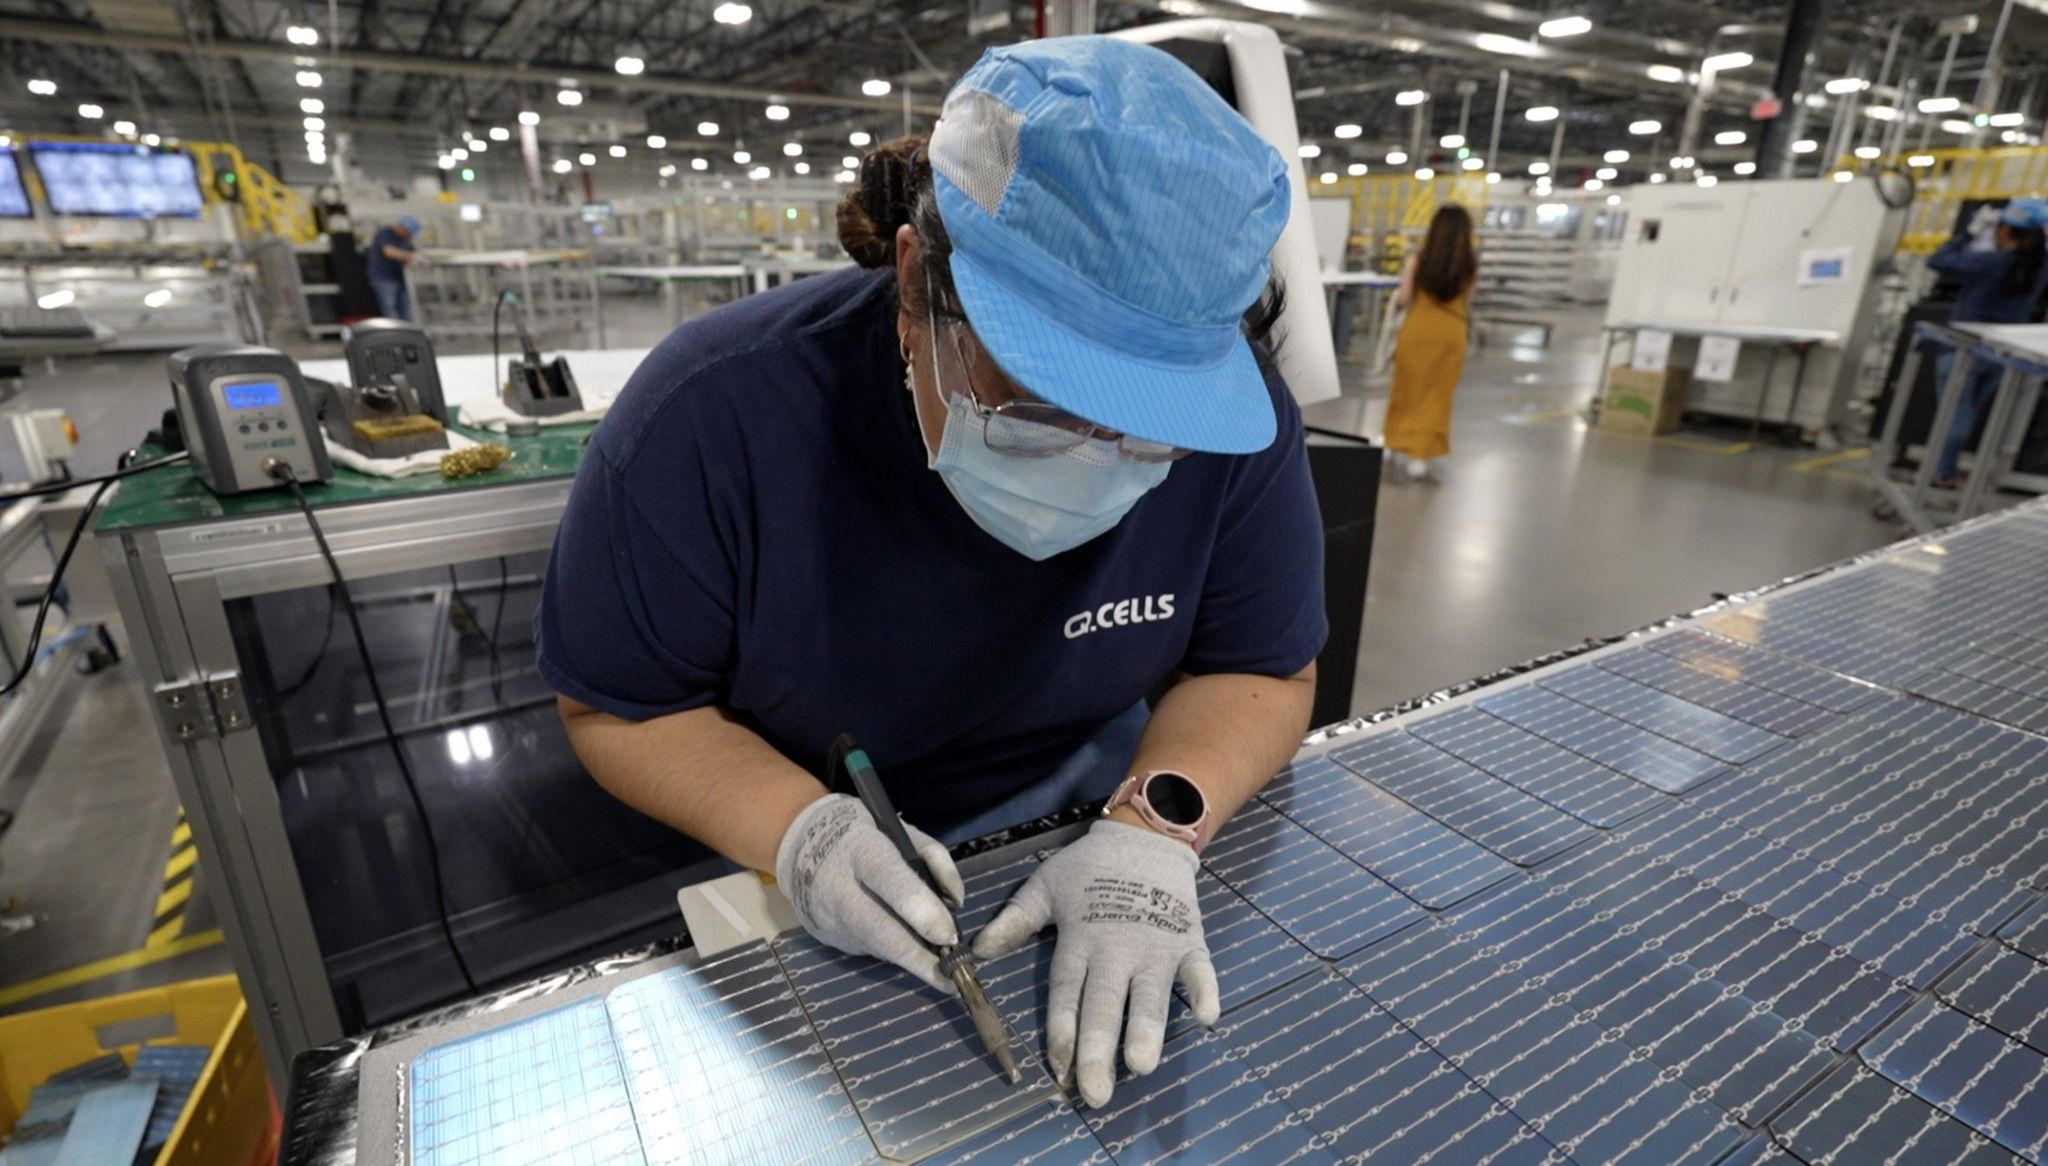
1038 507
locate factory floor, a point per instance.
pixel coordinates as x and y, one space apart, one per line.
1540 534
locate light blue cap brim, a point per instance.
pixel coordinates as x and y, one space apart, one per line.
1224 408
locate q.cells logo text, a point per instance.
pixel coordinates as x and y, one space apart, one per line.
1122 613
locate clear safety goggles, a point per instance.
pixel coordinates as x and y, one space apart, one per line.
1019 424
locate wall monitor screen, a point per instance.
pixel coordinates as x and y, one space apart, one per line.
109 179
13 196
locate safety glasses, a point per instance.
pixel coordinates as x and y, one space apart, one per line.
1021 425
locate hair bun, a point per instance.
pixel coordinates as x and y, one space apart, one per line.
881 201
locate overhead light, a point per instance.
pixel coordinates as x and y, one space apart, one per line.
1669 74
2006 120
308 79
1956 126
700 164
302 34
1683 162
1920 161
1472 164
792 149
1492 176
1397 157
2011 137
1657 176
1451 141
445 162
1881 113
656 142
55 299
459 154
1327 177
586 159
1494 42
1706 180
1424 174
1615 157
1539 168
1410 97
125 128
1730 138
42 87
629 65
1348 130
1356 170
1745 168
90 112
561 166
569 97
468 175
316 123
312 105
1310 150
845 176
1594 184
732 13
668 171
528 118
1607 174
1564 26
859 138
758 173
875 87
741 157
1723 62
1940 104
617 151
1645 127
707 129
1868 152
147 140
849 163
1805 146
157 298
777 113
1613 200
500 134
1541 113
1841 85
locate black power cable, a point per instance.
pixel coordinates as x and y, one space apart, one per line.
283 473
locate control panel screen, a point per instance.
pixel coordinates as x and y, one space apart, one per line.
254 395
13 198
108 178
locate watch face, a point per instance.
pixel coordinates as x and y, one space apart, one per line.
1175 798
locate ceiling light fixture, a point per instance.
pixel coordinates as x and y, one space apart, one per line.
875 87
1645 127
528 118
1507 46
629 65
1563 26
1451 141
1615 157
1541 113
1730 138
777 113
707 129
1410 97
90 112
1397 158
1722 62
302 34
307 79
42 87
656 142
700 164
561 166
1310 150
734 14
1940 104
1669 74
1348 130
1845 85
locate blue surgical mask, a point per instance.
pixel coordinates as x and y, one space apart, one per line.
1043 506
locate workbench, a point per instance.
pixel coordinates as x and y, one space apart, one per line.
1759 885
1774 340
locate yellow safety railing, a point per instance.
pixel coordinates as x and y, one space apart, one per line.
263 204
1943 179
1390 209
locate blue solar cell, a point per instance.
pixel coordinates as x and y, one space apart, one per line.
1655 761
1856 1116
2029 932
1471 801
1749 703
1421 857
1670 717
1989 1082
1200 1106
2005 989
1049 1135
1251 955
1966 683
1773 673
1585 789
1324 900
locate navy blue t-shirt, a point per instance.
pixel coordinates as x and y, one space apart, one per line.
756 527
382 266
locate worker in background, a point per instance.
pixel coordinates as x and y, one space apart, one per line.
1429 352
391 252
1997 284
973 502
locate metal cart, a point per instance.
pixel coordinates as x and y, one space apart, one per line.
2020 351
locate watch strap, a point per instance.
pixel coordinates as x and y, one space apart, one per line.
1132 793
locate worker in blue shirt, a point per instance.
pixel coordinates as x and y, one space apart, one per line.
973 502
391 252
1998 284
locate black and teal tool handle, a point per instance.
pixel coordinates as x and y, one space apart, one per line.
867 785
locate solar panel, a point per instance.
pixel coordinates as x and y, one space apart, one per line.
1327 902
1984 1079
1772 673
1051 1134
1657 762
1856 1116
1470 800
2005 989
2029 932
1708 688
1250 954
1587 790
1201 1106
2000 680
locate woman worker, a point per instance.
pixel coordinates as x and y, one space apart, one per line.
1429 354
973 504
1996 285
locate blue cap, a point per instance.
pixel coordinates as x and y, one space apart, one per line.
2025 213
411 225
1111 220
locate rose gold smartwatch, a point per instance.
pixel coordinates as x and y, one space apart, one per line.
1168 802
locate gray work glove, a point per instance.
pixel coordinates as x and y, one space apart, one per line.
1123 899
851 889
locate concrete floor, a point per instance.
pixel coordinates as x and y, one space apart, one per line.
1542 534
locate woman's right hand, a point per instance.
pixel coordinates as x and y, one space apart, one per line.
851 889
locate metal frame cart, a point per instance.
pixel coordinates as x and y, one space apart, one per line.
2021 353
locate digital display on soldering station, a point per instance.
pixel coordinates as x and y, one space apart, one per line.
254 395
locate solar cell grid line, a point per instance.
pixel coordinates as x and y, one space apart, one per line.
1673 718
1573 1081
1371 1089
2005 989
1655 761
1982 698
1050 1135
1816 986
2019 648
1424 859
2024 679
547 1089
1751 704
1993 1084
1329 903
1856 1116
1469 800
723 1066
1251 955
1908 942
1783 675
1201 1106
2028 932
1736 1053
1583 788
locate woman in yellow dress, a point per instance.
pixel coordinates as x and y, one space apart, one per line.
1429 354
